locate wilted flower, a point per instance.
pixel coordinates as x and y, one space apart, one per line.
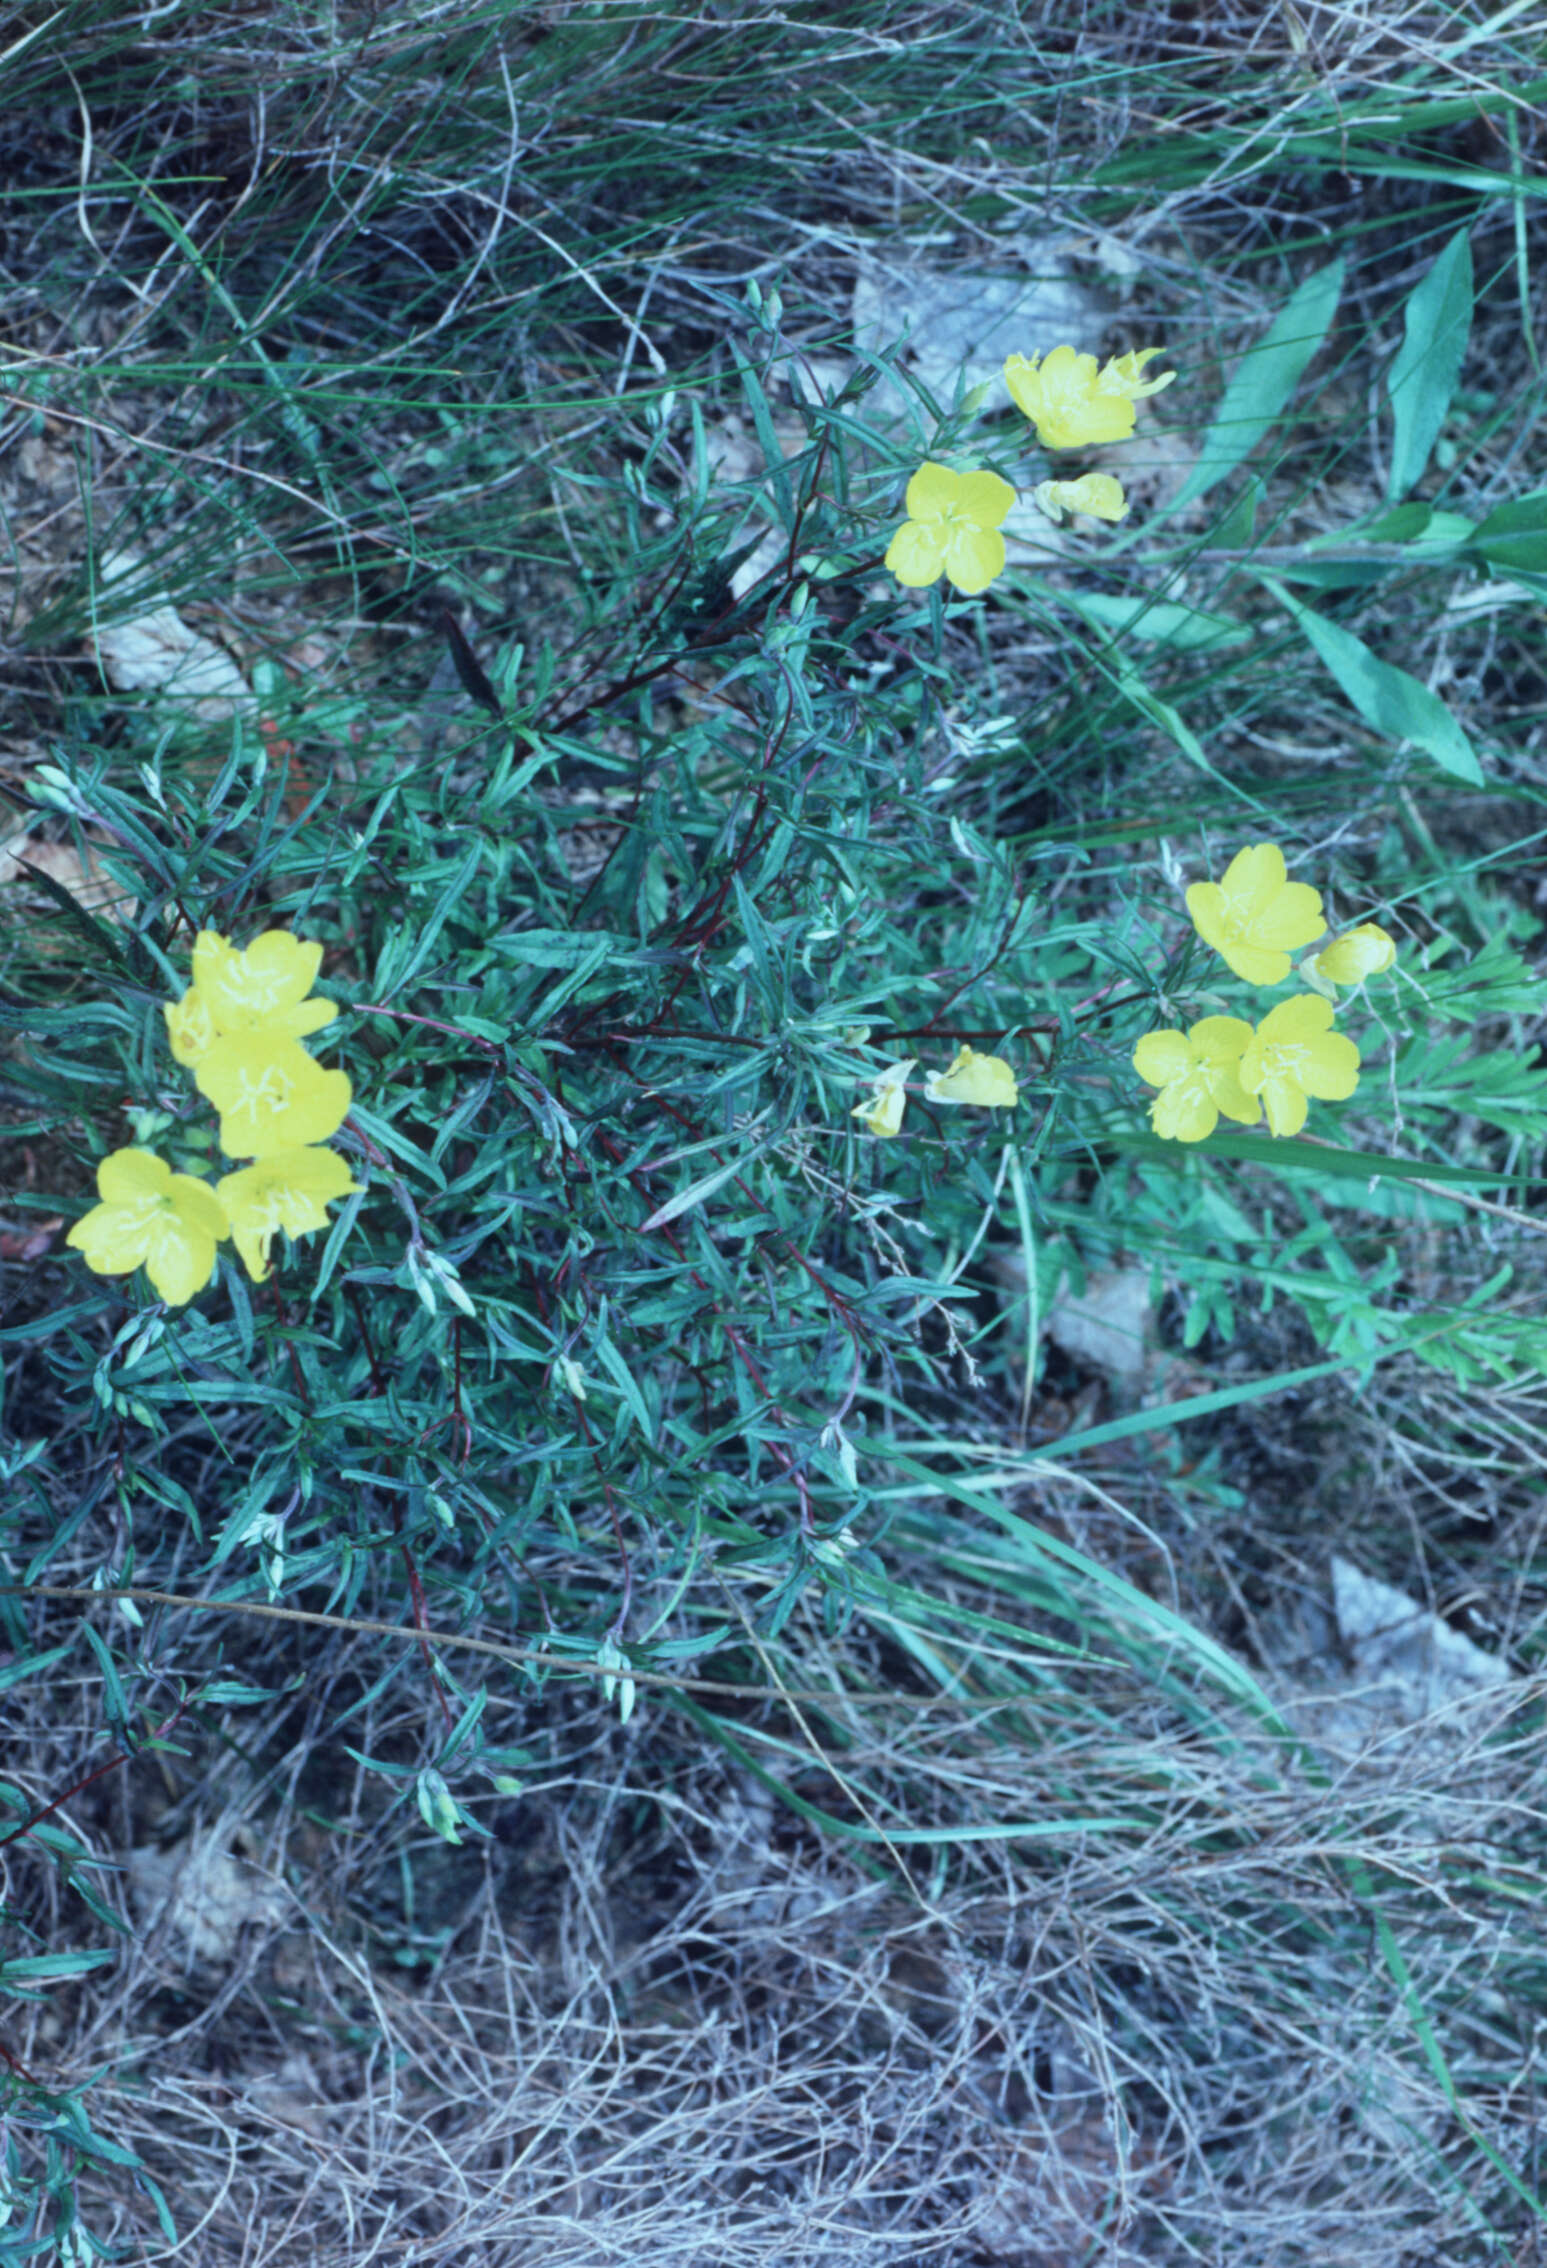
1254 917
1294 1054
151 1217
190 1026
1072 404
1097 494
1364 952
986 1081
289 1190
1198 1073
270 1093
952 527
1124 374
264 986
882 1114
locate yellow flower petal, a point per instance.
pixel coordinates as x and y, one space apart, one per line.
931 492
126 1176
1185 1111
984 498
916 554
973 557
180 1261
1162 1057
985 1081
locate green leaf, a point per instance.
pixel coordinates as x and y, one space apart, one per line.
1437 322
1161 621
1265 377
1514 538
1385 696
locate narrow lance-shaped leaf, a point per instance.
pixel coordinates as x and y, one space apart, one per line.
1437 322
1265 377
1385 696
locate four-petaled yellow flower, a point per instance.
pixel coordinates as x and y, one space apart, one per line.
1198 1073
262 987
1294 1054
1364 952
289 1190
986 1081
1097 494
882 1113
1075 405
270 1093
151 1217
1254 917
952 528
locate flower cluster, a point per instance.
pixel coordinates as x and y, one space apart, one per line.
954 518
1222 1067
984 1081
238 1028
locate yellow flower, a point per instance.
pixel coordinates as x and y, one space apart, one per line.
270 1094
1072 404
882 1114
1364 952
1198 1073
151 1217
263 988
190 1026
289 1190
1295 1053
1097 494
986 1081
1254 918
952 527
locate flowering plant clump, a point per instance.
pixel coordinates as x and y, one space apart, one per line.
954 518
1223 1066
238 1028
952 529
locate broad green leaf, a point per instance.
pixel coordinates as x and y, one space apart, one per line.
1161 621
1514 538
1385 696
1437 322
1265 377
